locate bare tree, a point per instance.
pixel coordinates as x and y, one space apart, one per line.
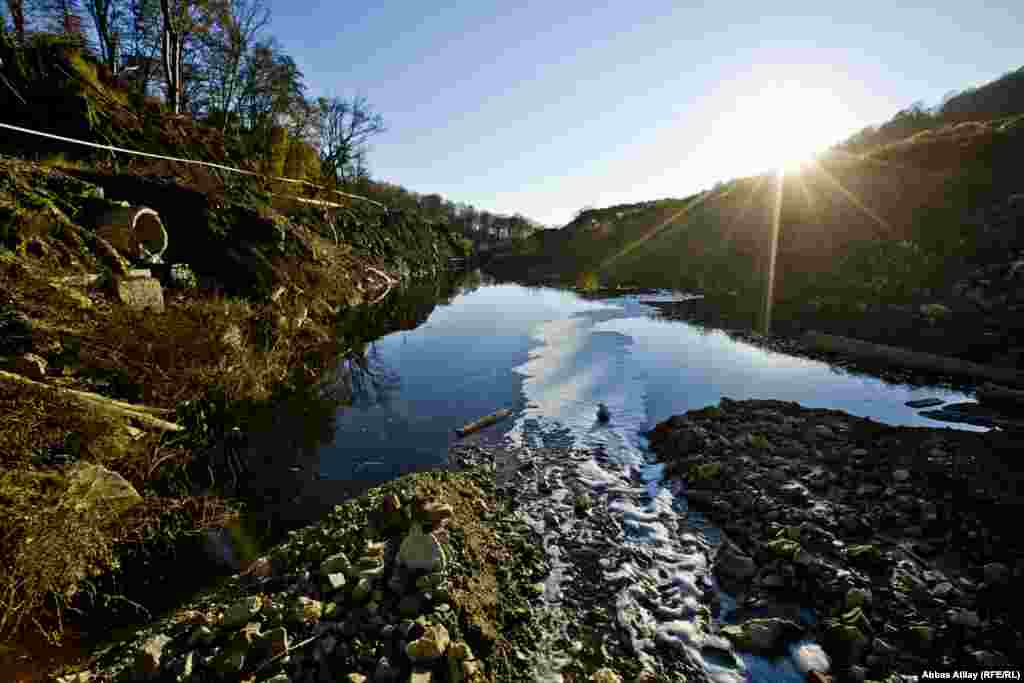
345 128
181 21
232 36
106 19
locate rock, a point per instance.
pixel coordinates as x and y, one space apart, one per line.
818 677
232 338
920 636
582 503
430 646
421 551
989 659
362 590
305 610
900 475
794 493
731 563
283 678
996 573
864 555
32 366
355 678
460 650
762 635
846 643
147 660
242 611
95 485
140 293
435 513
784 548
77 677
420 676
963 617
605 676
334 582
385 672
336 564
857 597
275 641
410 605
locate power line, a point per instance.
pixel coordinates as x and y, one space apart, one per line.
210 164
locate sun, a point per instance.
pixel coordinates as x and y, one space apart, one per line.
781 126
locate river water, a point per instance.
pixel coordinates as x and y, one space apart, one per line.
551 356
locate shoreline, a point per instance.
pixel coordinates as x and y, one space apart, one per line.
898 539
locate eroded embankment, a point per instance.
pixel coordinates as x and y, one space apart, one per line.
264 298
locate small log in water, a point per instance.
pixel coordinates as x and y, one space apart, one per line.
483 422
895 356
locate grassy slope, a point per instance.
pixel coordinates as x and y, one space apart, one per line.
845 229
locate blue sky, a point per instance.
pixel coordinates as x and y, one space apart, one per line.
545 107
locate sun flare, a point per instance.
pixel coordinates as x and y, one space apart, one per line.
782 127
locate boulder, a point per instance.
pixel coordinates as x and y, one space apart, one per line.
421 551
140 293
241 611
94 485
732 563
762 635
430 646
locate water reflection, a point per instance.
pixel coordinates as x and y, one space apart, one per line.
434 356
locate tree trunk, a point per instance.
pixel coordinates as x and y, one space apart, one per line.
171 57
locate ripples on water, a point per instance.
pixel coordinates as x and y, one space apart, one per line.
554 357
661 602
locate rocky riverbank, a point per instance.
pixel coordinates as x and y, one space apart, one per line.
901 540
423 579
893 548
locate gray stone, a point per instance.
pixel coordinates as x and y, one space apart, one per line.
410 605
305 610
762 635
140 293
94 485
242 611
385 671
996 573
731 563
362 590
335 564
421 551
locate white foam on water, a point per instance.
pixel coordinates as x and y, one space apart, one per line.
658 603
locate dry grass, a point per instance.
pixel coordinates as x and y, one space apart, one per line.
204 343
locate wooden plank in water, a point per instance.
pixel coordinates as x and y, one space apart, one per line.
485 421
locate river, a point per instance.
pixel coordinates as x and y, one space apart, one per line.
551 356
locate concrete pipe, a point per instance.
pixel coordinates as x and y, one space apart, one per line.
135 231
